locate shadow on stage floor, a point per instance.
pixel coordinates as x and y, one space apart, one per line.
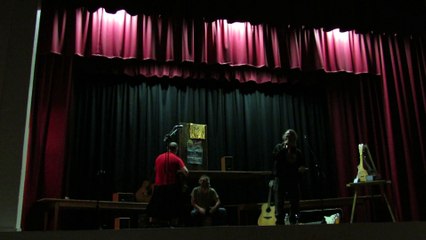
346 231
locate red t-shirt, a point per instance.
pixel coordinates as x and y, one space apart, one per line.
166 167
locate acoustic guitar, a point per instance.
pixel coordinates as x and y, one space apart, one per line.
267 216
362 173
144 193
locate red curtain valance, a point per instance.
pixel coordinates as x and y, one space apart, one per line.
169 43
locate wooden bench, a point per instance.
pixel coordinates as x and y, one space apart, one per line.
52 208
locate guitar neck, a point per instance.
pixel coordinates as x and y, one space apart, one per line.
362 173
361 155
269 195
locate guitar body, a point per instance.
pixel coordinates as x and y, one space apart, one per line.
145 192
267 216
181 181
362 173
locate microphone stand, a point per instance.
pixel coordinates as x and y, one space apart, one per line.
171 133
100 184
167 140
318 173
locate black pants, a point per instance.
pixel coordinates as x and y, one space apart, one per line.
166 203
285 190
219 217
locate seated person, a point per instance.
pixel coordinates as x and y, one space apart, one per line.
206 202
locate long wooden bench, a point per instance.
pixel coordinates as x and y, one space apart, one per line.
52 208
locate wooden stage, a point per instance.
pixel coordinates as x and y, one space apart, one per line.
78 214
355 231
53 210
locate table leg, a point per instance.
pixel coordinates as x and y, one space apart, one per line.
387 203
353 205
46 220
239 215
55 216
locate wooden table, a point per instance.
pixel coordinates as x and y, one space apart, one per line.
369 184
52 208
230 175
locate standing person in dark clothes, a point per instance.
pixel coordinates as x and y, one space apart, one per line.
289 163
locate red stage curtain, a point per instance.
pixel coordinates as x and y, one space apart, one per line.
158 46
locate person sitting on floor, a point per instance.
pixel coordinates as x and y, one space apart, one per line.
206 204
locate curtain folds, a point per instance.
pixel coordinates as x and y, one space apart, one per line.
381 103
121 123
165 40
404 97
47 147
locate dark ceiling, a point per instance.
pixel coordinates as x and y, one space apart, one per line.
397 16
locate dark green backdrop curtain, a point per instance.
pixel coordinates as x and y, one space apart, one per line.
120 123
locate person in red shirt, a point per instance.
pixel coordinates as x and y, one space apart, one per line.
165 206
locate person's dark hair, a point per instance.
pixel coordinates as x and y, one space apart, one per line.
173 146
204 177
289 132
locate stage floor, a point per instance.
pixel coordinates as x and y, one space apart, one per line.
346 231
